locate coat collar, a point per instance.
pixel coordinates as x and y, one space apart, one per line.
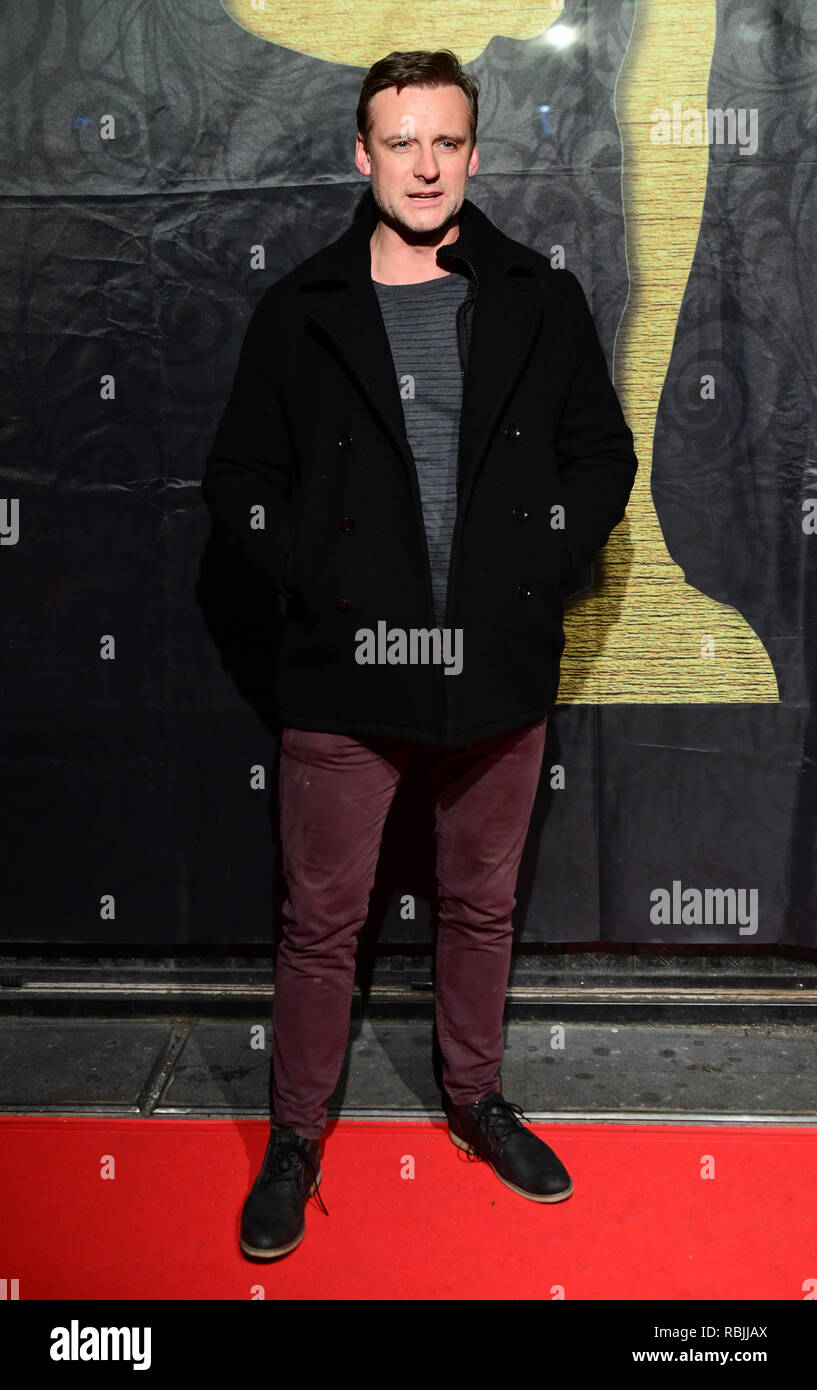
342 306
348 259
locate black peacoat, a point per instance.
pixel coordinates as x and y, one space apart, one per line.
311 476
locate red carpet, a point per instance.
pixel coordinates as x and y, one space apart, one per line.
642 1222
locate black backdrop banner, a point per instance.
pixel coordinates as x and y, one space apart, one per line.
164 162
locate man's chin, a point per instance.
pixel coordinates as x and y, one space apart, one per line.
424 229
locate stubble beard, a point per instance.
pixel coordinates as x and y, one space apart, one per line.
416 235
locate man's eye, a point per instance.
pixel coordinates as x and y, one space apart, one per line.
397 143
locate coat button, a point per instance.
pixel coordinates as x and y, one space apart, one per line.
345 441
346 524
523 591
521 513
343 605
513 432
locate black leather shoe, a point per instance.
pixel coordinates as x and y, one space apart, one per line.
489 1129
272 1222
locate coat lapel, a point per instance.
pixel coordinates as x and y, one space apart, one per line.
351 325
343 309
506 316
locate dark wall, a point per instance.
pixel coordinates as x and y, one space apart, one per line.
132 810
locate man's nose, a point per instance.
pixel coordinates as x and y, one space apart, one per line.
426 165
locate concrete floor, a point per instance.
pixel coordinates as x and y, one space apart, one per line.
196 1066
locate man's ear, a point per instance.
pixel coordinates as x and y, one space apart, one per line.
362 155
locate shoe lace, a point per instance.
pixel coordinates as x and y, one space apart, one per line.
283 1160
499 1116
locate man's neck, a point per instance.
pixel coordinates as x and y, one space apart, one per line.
399 262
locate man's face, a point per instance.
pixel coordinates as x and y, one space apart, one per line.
419 144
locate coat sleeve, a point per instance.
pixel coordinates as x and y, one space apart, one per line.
250 462
594 445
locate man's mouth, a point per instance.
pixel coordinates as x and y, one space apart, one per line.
425 197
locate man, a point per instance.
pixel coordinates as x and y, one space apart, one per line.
421 446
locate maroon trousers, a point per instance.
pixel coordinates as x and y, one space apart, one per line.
335 794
